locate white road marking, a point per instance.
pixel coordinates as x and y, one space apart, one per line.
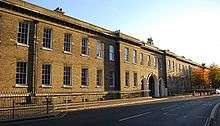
134 116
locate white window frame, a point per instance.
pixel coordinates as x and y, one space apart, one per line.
19 73
127 78
65 76
111 53
99 79
149 60
50 76
86 77
99 49
18 32
67 42
134 55
45 38
112 79
141 59
155 61
85 46
126 54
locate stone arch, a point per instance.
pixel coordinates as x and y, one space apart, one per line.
153 85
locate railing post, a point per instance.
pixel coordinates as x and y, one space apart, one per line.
84 102
47 100
13 108
65 102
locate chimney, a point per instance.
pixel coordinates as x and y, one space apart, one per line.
59 10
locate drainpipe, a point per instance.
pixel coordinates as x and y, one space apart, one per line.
32 59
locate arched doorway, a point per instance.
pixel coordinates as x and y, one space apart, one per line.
153 86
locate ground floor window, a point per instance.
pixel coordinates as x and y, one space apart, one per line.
21 73
46 74
85 77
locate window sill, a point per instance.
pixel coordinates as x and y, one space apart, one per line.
126 61
67 86
66 52
98 86
112 60
21 86
23 45
46 86
48 49
84 55
100 58
84 86
111 86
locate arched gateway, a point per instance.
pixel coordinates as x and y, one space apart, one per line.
153 85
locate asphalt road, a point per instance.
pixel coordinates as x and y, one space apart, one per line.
171 113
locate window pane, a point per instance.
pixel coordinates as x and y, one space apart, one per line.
111 53
21 73
23 32
46 74
99 78
126 78
67 76
47 38
84 79
67 42
84 49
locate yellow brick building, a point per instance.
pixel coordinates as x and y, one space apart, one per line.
46 52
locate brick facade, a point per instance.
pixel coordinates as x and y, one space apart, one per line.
153 72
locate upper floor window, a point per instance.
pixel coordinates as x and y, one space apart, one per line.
141 58
134 56
173 64
126 54
47 39
85 77
169 64
23 33
111 53
21 73
85 46
155 62
67 42
99 78
99 49
127 78
67 76
46 74
112 79
149 60
179 67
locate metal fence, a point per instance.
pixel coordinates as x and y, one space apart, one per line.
23 105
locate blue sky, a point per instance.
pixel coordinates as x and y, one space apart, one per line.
186 27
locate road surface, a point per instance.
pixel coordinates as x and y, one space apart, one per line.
170 113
